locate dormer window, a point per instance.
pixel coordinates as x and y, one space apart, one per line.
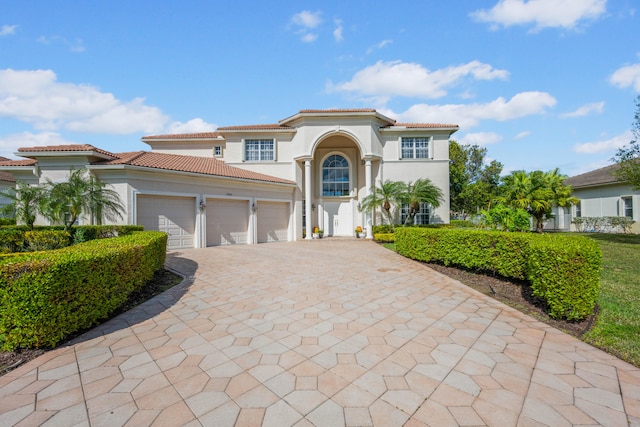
217 151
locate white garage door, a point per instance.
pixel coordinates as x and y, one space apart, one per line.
273 222
227 222
175 216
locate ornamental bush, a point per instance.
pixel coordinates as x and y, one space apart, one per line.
384 237
46 296
564 270
46 240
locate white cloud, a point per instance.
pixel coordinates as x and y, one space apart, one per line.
522 134
480 138
192 126
585 110
307 19
309 37
35 97
626 76
337 33
9 144
380 45
76 45
395 78
468 115
541 13
608 145
7 30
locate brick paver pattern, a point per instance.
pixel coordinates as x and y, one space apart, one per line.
331 332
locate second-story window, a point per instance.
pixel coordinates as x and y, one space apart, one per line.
259 150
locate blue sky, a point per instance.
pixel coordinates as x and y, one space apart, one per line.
540 83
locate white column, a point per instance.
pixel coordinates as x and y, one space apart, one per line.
307 198
368 185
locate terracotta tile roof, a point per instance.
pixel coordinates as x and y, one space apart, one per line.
256 127
6 176
341 110
26 162
200 135
596 177
193 164
425 125
65 148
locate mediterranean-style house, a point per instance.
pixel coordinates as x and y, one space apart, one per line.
601 194
7 181
260 183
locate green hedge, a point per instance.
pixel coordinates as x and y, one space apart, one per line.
384 237
13 238
564 270
46 296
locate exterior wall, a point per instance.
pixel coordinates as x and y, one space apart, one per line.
188 148
607 200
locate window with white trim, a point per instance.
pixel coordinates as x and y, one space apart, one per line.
628 206
217 151
259 150
335 176
414 147
578 210
423 216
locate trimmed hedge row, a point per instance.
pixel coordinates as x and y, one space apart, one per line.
22 239
384 237
45 296
564 270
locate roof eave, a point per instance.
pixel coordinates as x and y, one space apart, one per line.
258 130
195 139
37 154
329 113
148 168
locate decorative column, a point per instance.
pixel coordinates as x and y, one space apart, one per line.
307 198
368 185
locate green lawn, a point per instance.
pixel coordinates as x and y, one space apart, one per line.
617 329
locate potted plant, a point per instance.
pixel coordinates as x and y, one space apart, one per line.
316 233
358 231
320 233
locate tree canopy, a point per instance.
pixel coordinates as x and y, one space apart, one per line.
628 157
473 181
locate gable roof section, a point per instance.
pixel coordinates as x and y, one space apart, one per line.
191 164
268 127
602 176
81 149
6 176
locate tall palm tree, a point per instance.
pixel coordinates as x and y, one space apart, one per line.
82 193
26 202
385 196
418 192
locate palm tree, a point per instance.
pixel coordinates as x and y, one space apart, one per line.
418 192
26 202
82 193
536 192
385 196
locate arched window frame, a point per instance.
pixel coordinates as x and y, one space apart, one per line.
321 174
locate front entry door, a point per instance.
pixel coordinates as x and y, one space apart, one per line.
338 218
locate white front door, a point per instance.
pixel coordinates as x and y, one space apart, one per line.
338 218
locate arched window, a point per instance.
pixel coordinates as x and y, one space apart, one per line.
335 176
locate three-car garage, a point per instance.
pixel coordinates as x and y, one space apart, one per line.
225 221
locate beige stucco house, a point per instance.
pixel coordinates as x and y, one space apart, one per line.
602 195
260 183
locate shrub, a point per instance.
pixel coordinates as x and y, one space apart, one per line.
565 271
45 296
559 270
11 240
7 221
46 240
501 217
462 223
382 229
384 237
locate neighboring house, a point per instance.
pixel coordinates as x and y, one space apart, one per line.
260 183
7 181
602 195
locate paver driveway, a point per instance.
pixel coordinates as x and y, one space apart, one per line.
326 333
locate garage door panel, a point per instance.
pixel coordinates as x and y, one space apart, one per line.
172 215
273 222
227 222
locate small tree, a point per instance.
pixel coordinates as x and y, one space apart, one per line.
385 196
81 193
628 157
26 202
421 191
